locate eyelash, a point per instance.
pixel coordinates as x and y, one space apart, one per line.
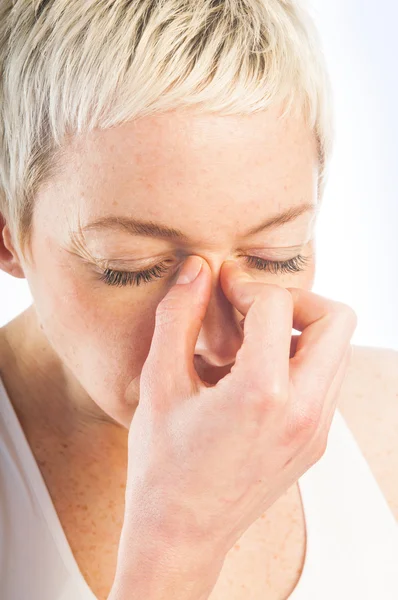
123 278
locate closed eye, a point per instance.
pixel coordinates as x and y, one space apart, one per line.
123 278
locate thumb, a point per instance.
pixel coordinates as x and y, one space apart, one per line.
169 372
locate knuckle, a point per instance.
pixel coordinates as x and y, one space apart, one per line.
346 313
262 401
352 317
309 419
275 395
279 293
321 446
170 301
167 311
303 424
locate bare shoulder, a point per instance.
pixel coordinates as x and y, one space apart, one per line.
369 404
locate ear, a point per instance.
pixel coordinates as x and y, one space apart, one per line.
9 259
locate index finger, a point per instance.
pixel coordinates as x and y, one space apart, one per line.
263 359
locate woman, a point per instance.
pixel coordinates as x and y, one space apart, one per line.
160 440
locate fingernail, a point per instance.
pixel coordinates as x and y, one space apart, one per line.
190 270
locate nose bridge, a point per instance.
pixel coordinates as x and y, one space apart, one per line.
221 335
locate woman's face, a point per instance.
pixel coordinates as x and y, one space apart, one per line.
211 178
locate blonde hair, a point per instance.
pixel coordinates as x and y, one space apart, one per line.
68 66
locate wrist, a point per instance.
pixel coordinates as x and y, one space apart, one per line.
141 575
155 570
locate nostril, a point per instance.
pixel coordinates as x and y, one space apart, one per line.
208 384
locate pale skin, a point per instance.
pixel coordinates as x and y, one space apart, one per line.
86 343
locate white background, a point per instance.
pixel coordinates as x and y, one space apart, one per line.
357 241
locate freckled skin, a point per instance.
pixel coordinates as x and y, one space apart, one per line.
212 177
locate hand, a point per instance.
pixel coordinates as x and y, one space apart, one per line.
206 462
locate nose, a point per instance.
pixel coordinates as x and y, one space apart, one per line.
219 339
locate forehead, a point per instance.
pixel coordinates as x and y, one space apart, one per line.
193 168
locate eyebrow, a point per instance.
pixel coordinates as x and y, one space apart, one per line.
161 230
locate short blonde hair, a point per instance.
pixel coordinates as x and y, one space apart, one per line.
68 66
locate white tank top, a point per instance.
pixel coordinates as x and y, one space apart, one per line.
352 535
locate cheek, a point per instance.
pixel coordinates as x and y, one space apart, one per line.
102 334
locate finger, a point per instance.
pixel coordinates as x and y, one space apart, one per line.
169 367
331 405
310 447
334 394
262 361
327 327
